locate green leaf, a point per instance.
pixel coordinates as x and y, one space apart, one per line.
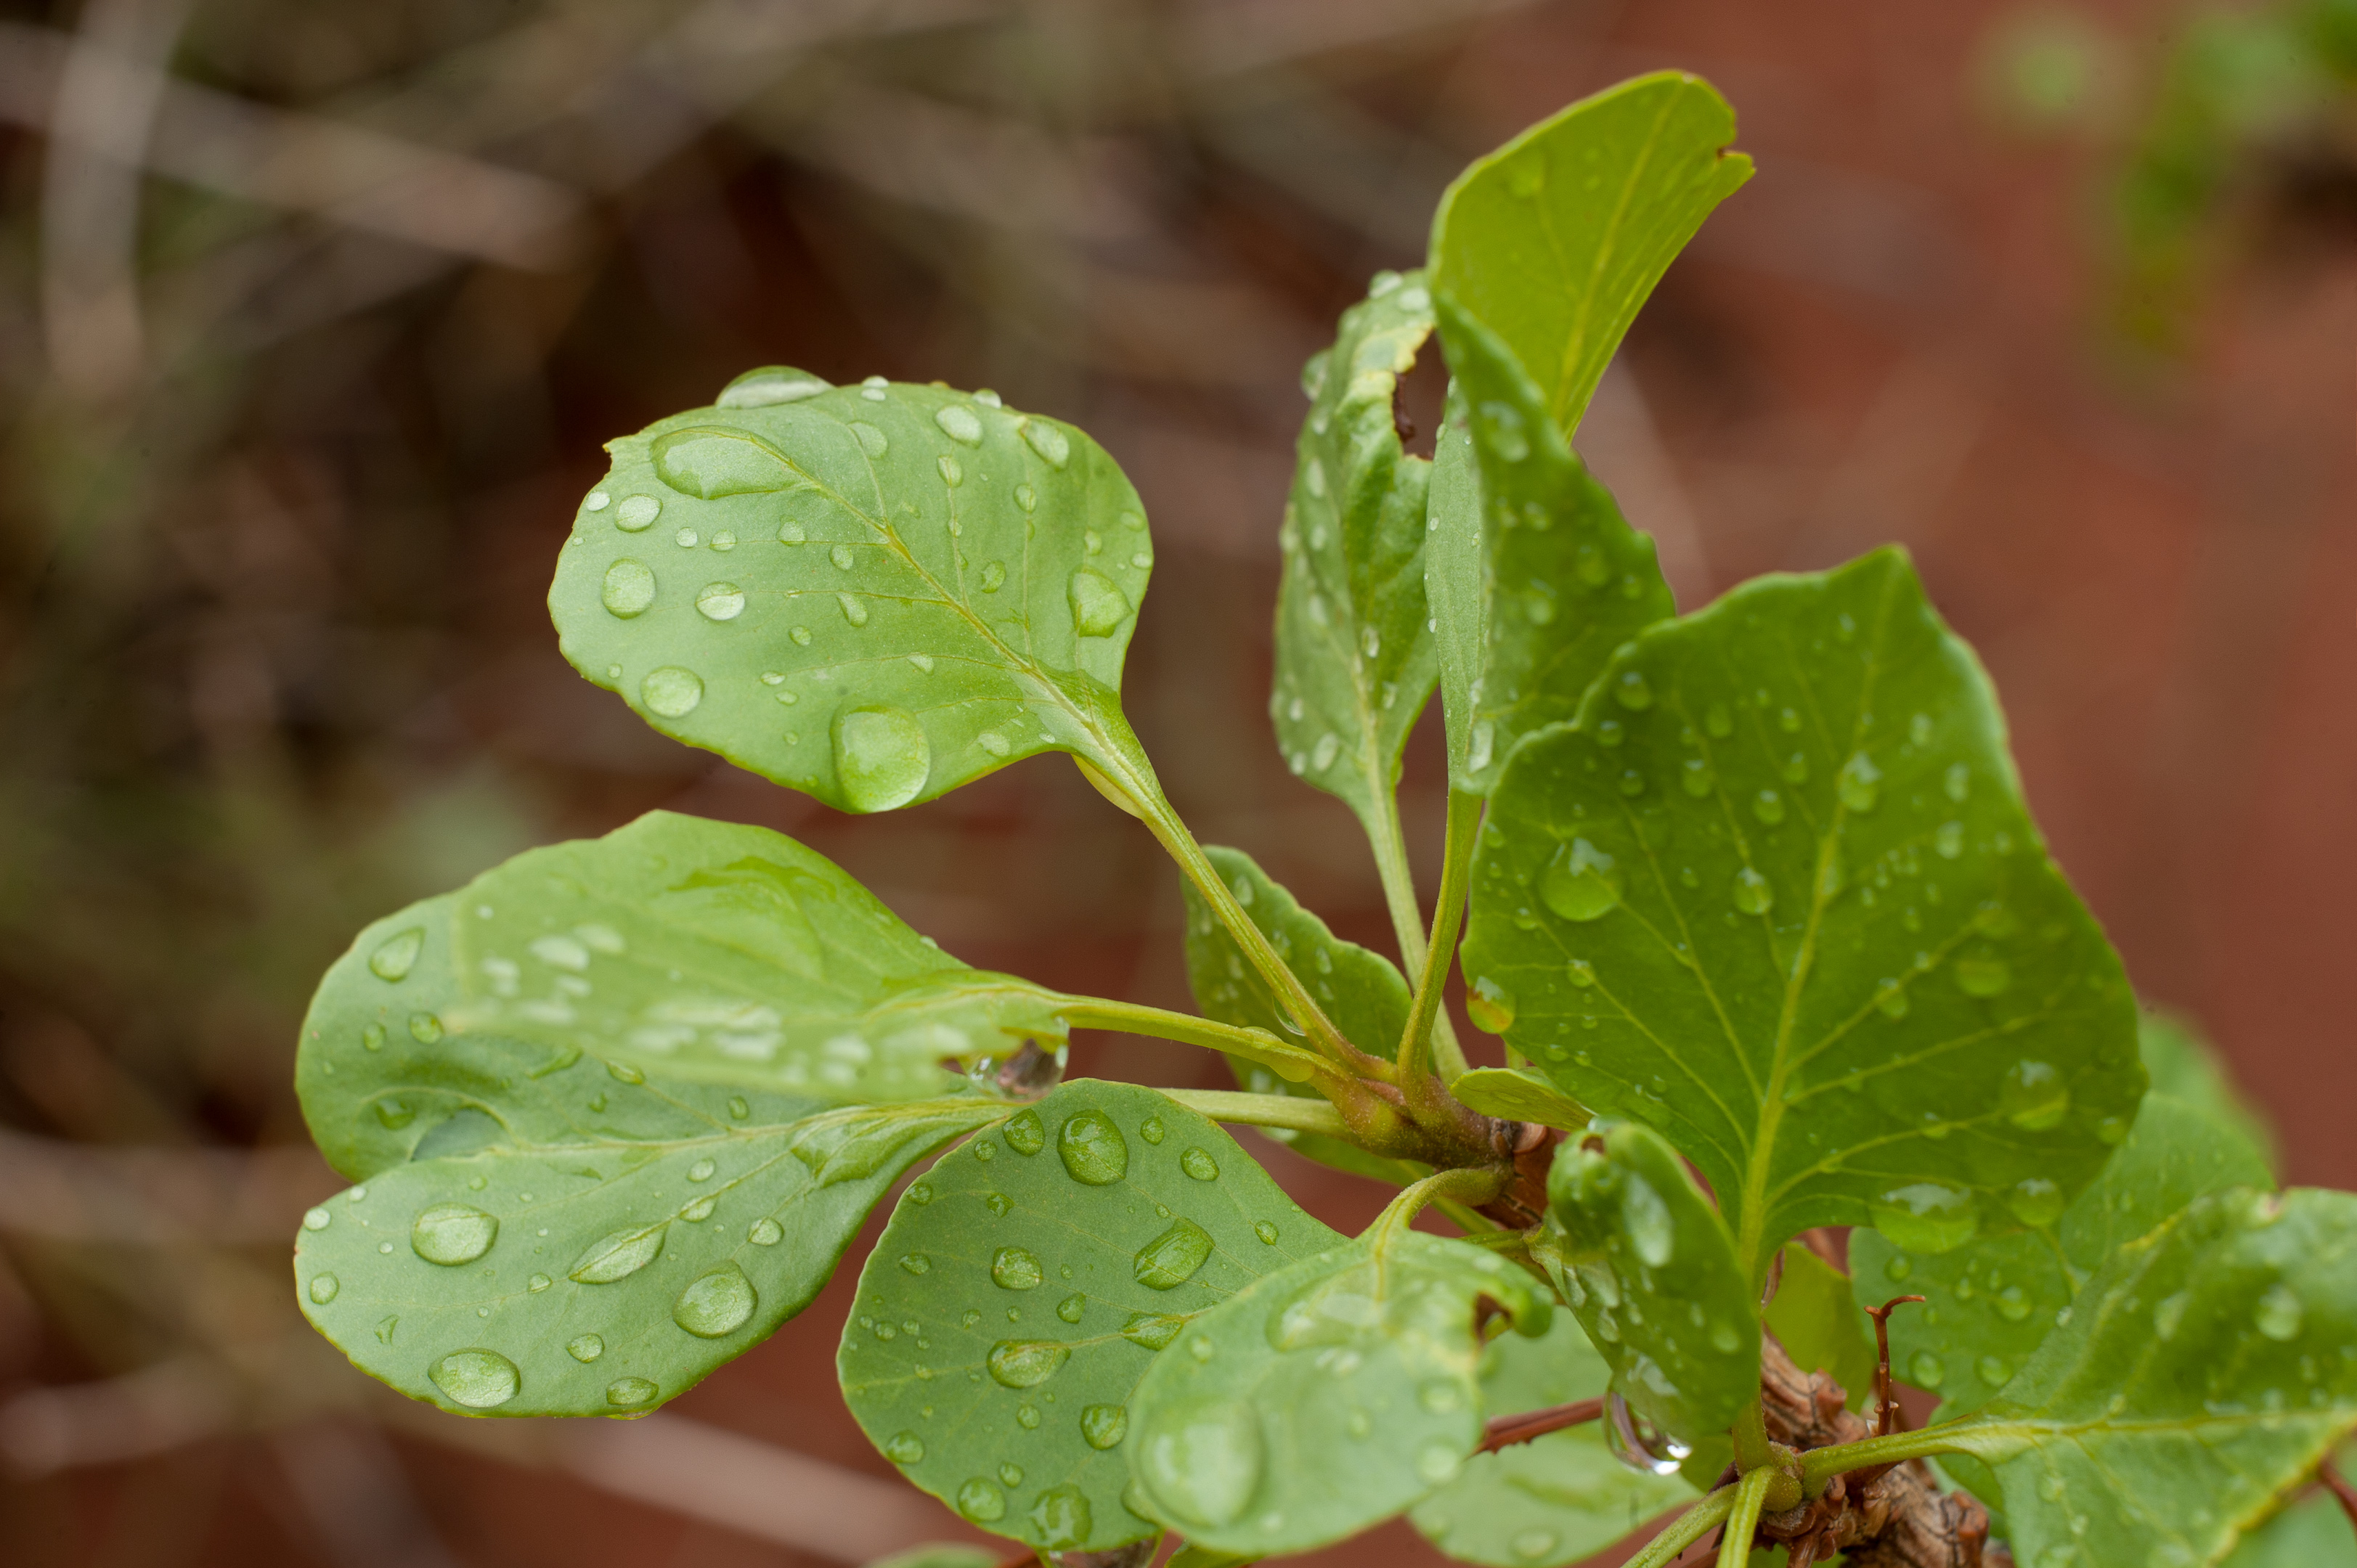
2201 1374
1361 990
1649 1268
1327 1397
1517 1094
1820 1327
601 1276
1533 575
2185 1065
1556 239
939 1555
1988 1304
2311 1534
1354 660
707 950
1777 896
872 593
1024 1287
1556 1498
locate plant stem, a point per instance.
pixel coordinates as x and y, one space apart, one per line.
1287 1061
1505 1430
1460 1185
1819 1465
1751 1451
1684 1531
1389 840
1301 1113
1448 919
1743 1519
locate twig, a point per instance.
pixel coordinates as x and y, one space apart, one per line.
1888 1417
1505 1430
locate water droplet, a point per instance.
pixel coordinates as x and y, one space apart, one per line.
1151 1130
597 501
1439 1463
1199 1165
397 954
2279 1313
1200 1461
998 1203
585 1348
1632 692
903 1448
538 1283
1925 1216
317 1220
1897 1268
479 1379
1093 1149
1948 839
881 758
628 1393
1981 972
1010 1474
1172 1258
871 440
994 576
1265 1231
637 513
323 1288
372 1037
1925 1369
915 1263
1647 1219
1580 882
1752 895
671 692
1529 1545
980 1500
2034 1096
619 1254
702 1170
802 636
1072 1308
765 1233
699 1211
717 1303
1958 783
1861 784
1026 1363
424 1028
1491 1005
1048 441
1890 997
452 1233
1152 1329
686 539
719 601
1060 1518
1768 807
1016 1268
854 609
1993 1371
1098 607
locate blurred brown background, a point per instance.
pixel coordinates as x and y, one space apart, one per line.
312 315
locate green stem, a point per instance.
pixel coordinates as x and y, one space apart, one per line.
1743 1519
1287 1061
1685 1529
1389 840
1455 1187
1751 1451
1297 1111
1819 1465
1448 919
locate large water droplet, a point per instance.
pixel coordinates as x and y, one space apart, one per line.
959 423
452 1233
767 385
1072 1308
871 440
1171 1258
1647 1219
628 589
671 692
1752 892
629 1392
994 576
1199 1165
1993 1371
2035 1201
1104 1426
881 758
397 954
1925 1216
1926 1370
1265 1231
1580 882
1026 1363
709 462
719 601
1016 1268
585 1348
1093 1149
619 1254
717 1303
1201 1460
980 1500
1152 1329
2034 1097
323 1288
637 513
1098 606
2279 1313
1025 1135
480 1380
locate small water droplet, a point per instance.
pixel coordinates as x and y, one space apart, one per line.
1925 1369
619 1254
1948 840
717 1304
2280 1313
1861 784
1752 894
671 692
1993 1371
424 1028
1897 1270
1016 1268
1099 607
1531 1545
855 608
1151 1130
322 1289
720 601
1265 1231
1171 1258
1632 692
1199 1165
1093 1149
637 513
1925 1216
1026 1363
452 1233
538 1283
915 1263
1491 1005
699 1211
1768 807
1981 972
1048 441
1025 1135
980 1501
998 1203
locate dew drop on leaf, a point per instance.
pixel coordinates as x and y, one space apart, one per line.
904 1449
452 1233
1154 1330
671 692
397 954
1098 606
637 513
1752 894
479 1379
881 758
1265 1231
1925 1369
717 1304
1632 692
765 1233
323 1288
980 1500
1201 1460
1768 807
2035 1201
1026 1363
585 1347
1025 1135
719 601
1104 1426
2279 1313
1093 1149
1171 1258
1925 1216
1983 974
1151 1131
1491 1005
629 1392
1016 1268
1199 1165
1580 882
1072 1308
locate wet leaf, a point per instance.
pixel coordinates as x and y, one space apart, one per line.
1556 239
2203 1372
2315 1533
1820 1327
1533 576
1518 1094
1354 660
1777 896
706 951
1327 1397
594 1275
1361 990
872 594
1556 1498
1014 1302
1989 1304
1649 1269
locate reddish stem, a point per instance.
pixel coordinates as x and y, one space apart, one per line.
1887 1416
1505 1430
2338 1485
